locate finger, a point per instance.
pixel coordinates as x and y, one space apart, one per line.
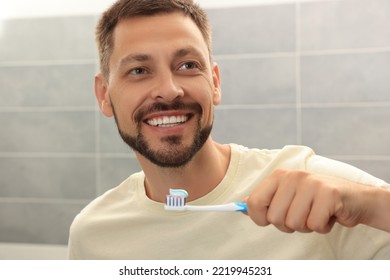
245 200
270 201
280 205
321 217
259 201
299 210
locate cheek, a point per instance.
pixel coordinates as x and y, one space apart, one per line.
202 91
122 114
207 104
126 101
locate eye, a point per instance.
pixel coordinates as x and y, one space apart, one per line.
189 66
137 71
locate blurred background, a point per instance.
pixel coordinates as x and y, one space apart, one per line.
313 73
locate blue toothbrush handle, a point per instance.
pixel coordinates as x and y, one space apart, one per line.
242 207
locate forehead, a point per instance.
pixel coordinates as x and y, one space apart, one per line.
150 34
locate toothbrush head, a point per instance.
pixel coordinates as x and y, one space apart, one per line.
176 200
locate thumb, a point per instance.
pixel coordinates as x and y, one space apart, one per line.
245 201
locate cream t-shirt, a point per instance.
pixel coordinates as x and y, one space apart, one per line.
124 223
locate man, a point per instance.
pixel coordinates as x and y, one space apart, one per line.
160 83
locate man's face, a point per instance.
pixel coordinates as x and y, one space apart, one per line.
162 87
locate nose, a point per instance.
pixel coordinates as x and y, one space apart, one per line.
167 88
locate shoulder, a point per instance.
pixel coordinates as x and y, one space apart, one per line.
123 191
291 156
303 158
108 202
92 221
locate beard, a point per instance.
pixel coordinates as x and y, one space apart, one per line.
176 154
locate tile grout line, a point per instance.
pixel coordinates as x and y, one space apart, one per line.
302 52
37 109
98 141
359 157
64 155
383 104
36 200
305 105
298 88
43 62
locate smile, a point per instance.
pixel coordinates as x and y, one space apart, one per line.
167 121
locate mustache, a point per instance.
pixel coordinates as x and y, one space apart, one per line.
161 107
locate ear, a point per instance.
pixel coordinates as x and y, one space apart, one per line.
102 95
217 85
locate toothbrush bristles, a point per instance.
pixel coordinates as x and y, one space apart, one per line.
175 201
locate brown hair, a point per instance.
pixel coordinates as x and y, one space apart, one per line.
123 9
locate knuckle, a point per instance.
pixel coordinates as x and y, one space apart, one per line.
256 212
274 219
252 205
293 224
318 227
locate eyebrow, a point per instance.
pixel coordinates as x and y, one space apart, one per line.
188 51
132 58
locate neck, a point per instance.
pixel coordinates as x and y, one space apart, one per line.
200 176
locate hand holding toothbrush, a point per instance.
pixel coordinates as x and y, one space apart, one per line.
294 200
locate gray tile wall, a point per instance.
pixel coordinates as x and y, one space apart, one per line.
312 73
48 143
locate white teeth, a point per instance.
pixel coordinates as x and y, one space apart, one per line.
167 121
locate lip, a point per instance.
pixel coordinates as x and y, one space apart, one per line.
178 115
168 122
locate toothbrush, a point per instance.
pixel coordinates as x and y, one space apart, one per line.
175 201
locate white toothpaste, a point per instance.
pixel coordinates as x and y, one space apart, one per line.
178 192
